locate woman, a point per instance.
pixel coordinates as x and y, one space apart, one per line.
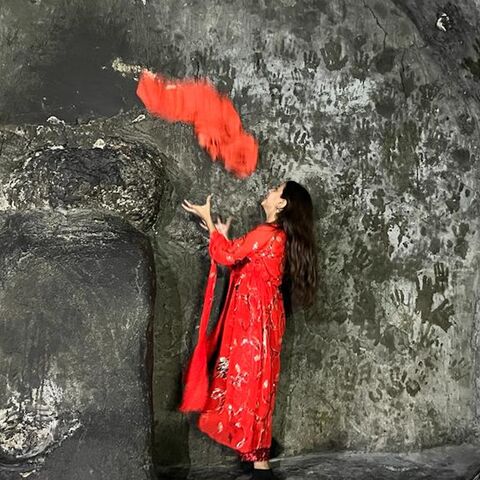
247 338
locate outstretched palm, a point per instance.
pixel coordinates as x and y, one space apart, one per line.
202 211
223 227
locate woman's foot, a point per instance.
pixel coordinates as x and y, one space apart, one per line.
246 467
263 471
263 474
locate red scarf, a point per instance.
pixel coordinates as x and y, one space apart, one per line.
216 122
195 393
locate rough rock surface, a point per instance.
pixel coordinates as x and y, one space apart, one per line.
374 106
123 179
76 301
460 462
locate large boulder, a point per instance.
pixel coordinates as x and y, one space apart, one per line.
76 302
374 106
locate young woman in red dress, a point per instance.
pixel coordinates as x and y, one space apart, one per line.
275 257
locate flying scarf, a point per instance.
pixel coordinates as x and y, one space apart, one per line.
216 123
196 379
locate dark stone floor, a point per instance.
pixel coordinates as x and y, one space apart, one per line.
442 463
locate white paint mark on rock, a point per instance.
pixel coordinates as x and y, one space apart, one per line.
55 120
31 425
443 22
140 118
100 143
27 474
125 69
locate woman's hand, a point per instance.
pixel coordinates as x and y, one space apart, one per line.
202 211
220 226
223 227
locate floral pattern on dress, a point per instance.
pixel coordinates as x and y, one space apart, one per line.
244 380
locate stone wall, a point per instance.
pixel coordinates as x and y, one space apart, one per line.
373 106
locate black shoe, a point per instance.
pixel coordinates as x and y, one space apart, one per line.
246 467
263 474
275 448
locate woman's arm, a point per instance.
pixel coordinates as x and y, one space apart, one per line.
228 252
222 250
209 223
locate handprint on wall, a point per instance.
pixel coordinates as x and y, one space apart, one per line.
332 55
461 243
440 315
361 61
311 62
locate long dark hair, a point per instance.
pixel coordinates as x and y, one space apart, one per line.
296 219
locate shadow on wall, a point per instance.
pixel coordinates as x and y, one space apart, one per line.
175 431
171 431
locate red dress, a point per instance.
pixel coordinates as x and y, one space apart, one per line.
247 339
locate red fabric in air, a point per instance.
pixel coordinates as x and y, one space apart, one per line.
216 123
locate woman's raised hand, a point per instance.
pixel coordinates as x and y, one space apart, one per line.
223 227
202 211
220 226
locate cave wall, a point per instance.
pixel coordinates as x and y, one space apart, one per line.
374 108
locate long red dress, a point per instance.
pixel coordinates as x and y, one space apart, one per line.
247 340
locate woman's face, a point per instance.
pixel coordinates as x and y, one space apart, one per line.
273 199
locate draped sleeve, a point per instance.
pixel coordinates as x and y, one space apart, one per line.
229 252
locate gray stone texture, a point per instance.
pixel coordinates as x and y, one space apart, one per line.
76 296
440 463
367 103
122 179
